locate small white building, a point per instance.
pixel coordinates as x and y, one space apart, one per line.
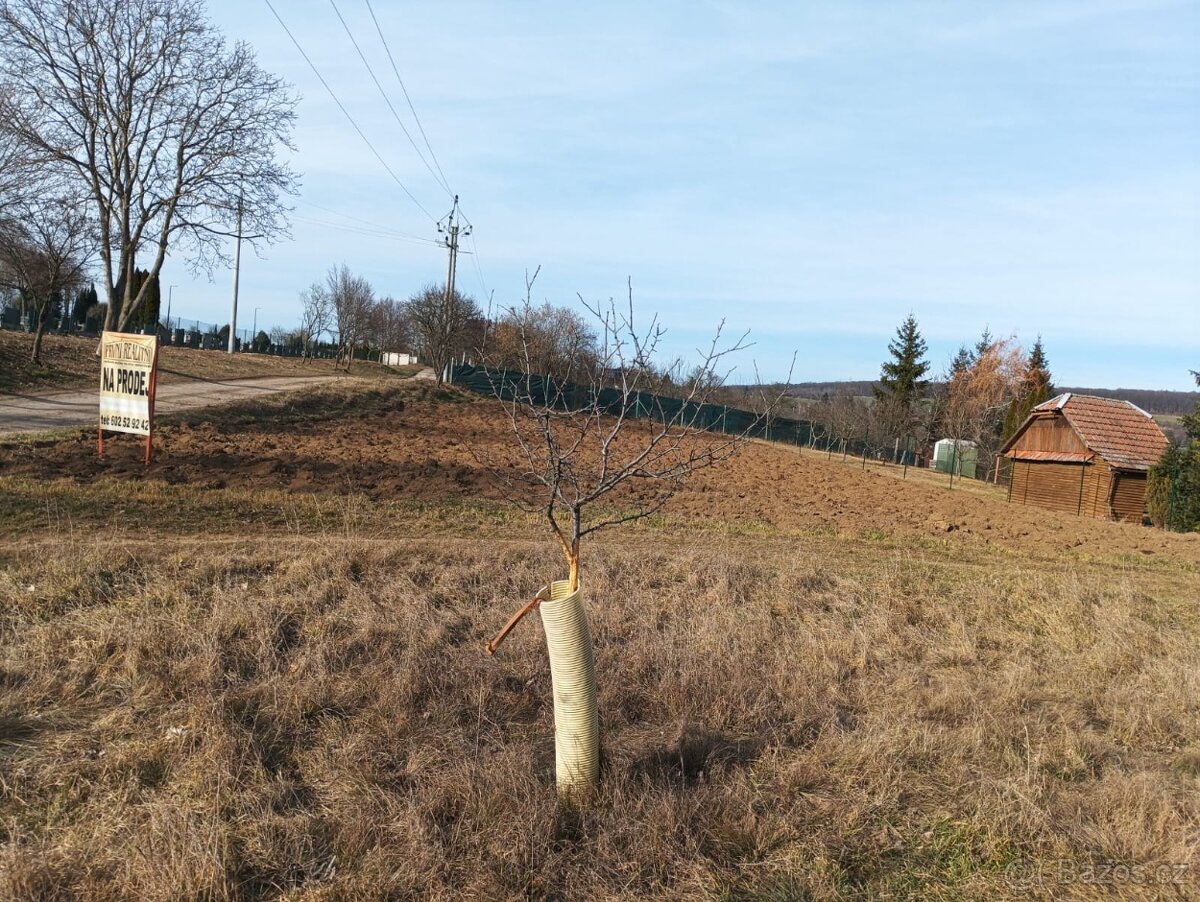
395 358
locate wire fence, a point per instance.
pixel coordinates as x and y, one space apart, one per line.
195 334
507 385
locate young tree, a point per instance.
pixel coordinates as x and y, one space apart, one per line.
316 317
444 325
901 386
46 242
351 300
169 131
594 454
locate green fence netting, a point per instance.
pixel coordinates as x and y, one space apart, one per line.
539 391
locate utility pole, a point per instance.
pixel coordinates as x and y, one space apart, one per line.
237 266
170 294
450 235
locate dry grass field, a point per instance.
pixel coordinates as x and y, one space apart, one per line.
256 670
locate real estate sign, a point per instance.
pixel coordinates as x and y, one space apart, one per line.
128 371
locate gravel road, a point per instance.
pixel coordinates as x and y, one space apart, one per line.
59 410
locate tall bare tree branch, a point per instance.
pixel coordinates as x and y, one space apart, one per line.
165 128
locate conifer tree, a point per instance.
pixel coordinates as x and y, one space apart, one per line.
901 386
900 378
984 344
1035 388
963 361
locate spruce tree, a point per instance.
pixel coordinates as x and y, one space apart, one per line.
901 386
984 344
900 379
1035 388
962 362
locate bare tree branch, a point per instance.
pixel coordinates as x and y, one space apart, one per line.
608 425
167 130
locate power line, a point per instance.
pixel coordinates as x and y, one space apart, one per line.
413 109
371 233
437 177
478 269
366 222
346 113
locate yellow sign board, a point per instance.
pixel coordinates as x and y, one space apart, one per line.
128 373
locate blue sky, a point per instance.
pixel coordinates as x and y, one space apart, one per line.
812 172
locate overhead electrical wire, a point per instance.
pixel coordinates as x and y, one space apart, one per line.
346 113
475 259
359 230
372 225
437 176
408 99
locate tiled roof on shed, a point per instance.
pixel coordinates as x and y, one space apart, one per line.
1121 433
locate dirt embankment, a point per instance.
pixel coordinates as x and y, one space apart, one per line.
422 443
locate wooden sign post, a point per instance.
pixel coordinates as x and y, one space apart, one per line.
128 380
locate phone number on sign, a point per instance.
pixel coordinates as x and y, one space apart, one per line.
113 421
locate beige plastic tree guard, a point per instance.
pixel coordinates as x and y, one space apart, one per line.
576 720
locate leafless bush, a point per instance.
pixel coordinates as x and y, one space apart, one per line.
548 340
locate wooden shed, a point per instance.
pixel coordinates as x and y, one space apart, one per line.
1084 455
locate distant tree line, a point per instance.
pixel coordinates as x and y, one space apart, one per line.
344 309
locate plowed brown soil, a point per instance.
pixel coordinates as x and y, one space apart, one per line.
418 443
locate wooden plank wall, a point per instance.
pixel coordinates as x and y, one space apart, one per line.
1056 486
1129 496
1049 433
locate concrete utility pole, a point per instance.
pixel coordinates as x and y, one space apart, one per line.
451 232
237 266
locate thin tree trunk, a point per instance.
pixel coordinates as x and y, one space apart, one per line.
43 316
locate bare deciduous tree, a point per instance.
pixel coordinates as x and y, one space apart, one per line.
600 452
444 326
46 243
169 131
389 326
316 316
552 341
979 394
12 154
352 301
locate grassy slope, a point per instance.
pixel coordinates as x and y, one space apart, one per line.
71 363
288 694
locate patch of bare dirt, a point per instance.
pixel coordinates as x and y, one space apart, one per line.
424 444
